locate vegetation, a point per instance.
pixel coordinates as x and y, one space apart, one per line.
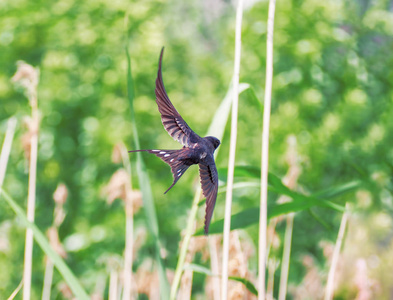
330 152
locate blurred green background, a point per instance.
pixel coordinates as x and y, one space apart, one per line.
332 89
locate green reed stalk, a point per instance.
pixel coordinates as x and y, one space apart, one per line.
265 152
232 151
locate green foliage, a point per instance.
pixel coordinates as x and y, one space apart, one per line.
331 89
68 276
299 201
203 270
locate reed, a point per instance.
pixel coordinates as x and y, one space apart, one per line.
265 152
232 151
329 292
28 77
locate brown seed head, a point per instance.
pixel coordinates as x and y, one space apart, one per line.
54 240
61 193
27 77
116 187
116 153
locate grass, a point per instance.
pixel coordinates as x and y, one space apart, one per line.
265 152
253 177
42 241
28 77
232 150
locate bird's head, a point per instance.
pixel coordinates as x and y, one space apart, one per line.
214 141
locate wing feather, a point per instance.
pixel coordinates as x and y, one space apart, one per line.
173 122
209 181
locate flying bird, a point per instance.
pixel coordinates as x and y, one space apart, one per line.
196 149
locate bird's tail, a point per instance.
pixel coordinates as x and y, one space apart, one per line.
176 159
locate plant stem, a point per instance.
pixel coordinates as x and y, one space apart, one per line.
336 253
31 199
265 152
214 266
128 256
47 280
6 149
113 287
286 257
129 238
270 281
126 160
186 284
41 240
232 151
16 291
290 180
185 243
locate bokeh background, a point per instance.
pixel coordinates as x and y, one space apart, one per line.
332 90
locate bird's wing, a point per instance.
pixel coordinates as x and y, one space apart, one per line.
209 181
171 119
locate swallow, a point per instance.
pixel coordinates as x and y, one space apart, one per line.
196 150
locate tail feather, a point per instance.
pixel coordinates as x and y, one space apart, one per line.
175 159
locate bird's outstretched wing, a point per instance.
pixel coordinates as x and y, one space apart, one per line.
209 181
171 119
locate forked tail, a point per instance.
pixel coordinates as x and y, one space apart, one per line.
176 159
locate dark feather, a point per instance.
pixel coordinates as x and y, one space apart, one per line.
173 123
209 181
176 159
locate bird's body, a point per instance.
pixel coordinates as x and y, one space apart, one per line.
196 150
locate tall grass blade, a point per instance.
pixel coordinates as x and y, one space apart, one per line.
6 149
145 186
16 291
265 152
254 99
329 292
339 190
232 150
286 258
40 238
220 118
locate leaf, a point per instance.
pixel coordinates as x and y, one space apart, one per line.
240 171
199 269
300 202
145 186
42 241
203 270
276 185
254 99
247 283
275 181
319 219
250 216
338 190
220 118
243 219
